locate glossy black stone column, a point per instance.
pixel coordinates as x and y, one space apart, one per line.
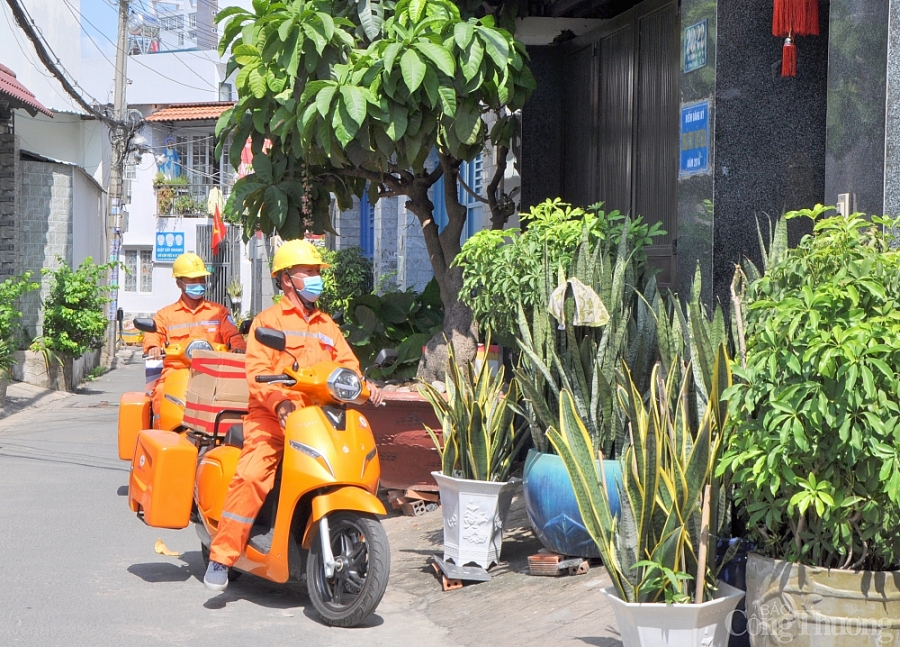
767 147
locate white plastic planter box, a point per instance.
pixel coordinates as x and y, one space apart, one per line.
474 516
676 625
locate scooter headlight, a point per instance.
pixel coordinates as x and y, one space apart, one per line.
200 344
344 385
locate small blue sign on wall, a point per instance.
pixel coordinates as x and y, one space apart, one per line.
694 139
169 246
695 46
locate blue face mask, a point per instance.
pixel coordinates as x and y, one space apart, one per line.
312 288
195 290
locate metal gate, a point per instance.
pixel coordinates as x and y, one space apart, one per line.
621 121
225 266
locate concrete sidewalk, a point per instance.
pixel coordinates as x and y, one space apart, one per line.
513 609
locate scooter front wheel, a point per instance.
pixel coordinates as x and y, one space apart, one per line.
359 545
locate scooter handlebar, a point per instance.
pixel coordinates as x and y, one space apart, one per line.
276 379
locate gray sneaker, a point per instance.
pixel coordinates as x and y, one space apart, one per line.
216 578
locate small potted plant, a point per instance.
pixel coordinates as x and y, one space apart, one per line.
477 445
235 295
815 449
659 548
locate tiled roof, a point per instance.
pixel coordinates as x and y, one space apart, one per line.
191 111
21 97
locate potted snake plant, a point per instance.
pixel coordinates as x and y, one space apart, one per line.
477 416
657 549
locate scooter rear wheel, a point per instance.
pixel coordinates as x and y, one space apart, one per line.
360 545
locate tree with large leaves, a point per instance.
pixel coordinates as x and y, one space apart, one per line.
339 98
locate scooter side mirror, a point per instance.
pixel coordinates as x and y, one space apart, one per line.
245 326
271 338
386 357
145 324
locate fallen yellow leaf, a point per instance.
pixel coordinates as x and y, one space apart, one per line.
162 549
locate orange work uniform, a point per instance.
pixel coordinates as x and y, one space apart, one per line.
311 337
179 323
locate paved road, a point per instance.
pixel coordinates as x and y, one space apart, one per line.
78 570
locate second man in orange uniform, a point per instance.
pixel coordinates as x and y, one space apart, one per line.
191 317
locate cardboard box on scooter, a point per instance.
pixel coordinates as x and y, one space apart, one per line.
218 383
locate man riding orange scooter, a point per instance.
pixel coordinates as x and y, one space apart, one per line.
312 336
191 316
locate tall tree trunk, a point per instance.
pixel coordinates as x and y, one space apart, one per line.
459 329
459 324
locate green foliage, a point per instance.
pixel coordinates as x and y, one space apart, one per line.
477 422
816 445
10 290
582 360
74 312
668 477
349 277
401 320
503 268
345 97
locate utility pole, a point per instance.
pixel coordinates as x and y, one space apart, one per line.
116 173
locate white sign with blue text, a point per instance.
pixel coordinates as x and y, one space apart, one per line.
694 139
169 246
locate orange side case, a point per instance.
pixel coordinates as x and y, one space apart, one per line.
162 478
134 415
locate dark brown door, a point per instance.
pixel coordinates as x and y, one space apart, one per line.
621 121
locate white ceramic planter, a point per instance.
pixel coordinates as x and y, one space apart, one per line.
675 625
474 516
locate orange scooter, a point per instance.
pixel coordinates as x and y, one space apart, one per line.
319 523
135 411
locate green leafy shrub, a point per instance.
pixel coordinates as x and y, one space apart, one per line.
74 312
503 268
10 290
349 277
10 333
816 446
401 320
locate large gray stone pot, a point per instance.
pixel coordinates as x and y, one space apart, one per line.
804 606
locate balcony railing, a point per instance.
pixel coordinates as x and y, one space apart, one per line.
178 200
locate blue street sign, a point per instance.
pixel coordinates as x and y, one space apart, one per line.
694 139
169 246
695 46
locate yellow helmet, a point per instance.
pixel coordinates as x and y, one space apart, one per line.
189 266
296 252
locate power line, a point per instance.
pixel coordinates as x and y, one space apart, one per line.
211 86
134 59
26 23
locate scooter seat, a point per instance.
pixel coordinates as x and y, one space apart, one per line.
235 436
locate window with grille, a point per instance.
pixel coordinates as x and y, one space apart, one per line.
139 270
197 154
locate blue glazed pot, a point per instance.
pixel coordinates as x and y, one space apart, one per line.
552 508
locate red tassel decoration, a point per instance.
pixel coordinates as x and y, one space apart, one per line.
789 58
797 17
782 18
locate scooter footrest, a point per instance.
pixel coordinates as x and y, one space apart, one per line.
261 539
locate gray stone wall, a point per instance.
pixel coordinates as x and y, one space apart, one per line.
385 257
9 162
413 265
346 224
44 228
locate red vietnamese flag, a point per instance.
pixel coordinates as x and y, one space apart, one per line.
219 231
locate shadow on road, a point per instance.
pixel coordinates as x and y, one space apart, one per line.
155 572
122 491
601 642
